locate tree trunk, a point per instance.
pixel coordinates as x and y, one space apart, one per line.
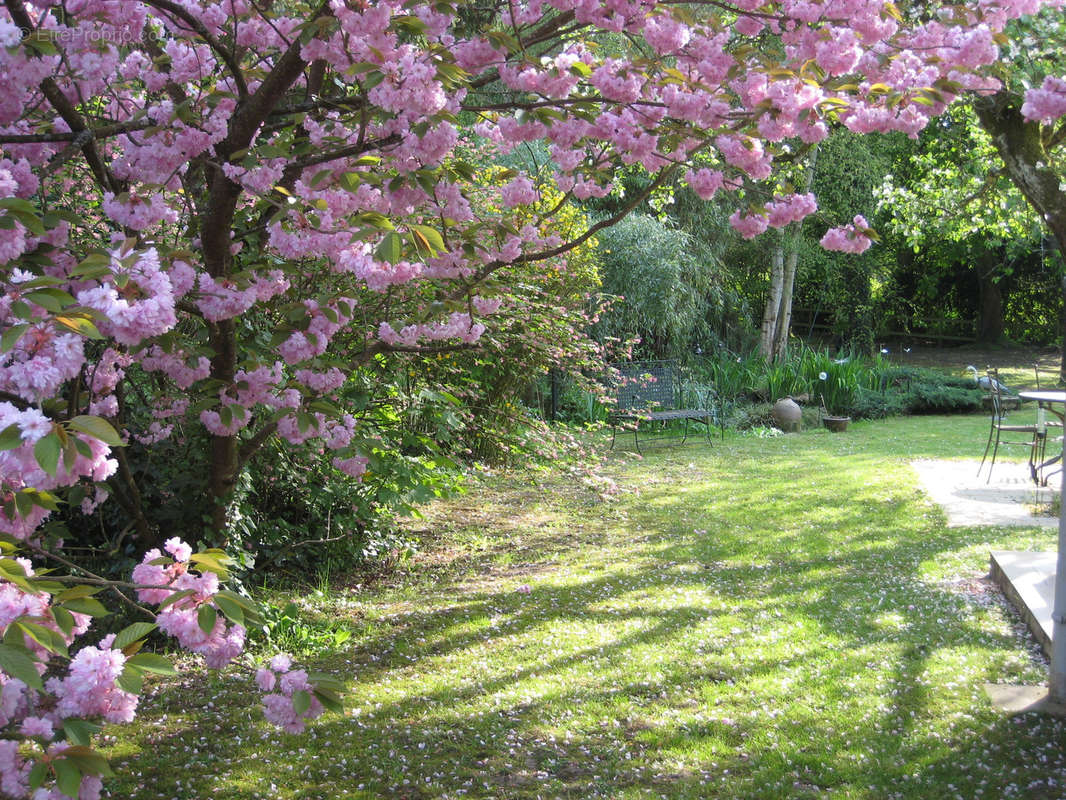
990 322
774 343
225 456
773 301
784 316
1021 146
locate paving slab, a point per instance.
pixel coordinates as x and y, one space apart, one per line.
1015 699
1009 499
1028 580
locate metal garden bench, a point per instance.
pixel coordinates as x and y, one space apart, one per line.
649 391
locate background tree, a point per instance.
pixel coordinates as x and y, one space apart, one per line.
952 203
1023 120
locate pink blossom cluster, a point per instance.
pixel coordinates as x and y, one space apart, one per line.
335 433
180 619
323 322
747 154
88 689
20 467
1047 103
518 192
181 368
459 326
705 182
42 359
225 299
748 224
850 238
138 213
321 382
106 375
141 307
789 208
282 683
379 275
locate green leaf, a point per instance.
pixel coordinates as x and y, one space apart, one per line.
23 503
131 633
18 205
301 701
79 325
96 427
47 451
231 610
330 700
47 638
11 336
427 239
64 619
390 249
10 437
206 617
131 680
37 775
53 300
42 499
77 592
150 662
17 663
87 605
208 562
88 760
70 455
13 571
68 776
323 680
80 731
92 266
176 597
320 177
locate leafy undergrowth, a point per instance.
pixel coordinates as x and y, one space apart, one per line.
758 618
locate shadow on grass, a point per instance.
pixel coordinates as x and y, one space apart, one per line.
778 638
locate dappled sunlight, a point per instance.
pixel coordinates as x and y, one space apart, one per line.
734 625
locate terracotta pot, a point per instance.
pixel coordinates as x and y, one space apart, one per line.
836 424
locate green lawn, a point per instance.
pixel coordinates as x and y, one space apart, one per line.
785 617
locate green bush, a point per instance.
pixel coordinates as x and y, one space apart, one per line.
872 404
942 397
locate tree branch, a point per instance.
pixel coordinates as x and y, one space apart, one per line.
59 101
227 57
103 132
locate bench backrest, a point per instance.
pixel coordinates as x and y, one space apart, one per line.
647 385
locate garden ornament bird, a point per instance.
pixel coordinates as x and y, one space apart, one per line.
984 382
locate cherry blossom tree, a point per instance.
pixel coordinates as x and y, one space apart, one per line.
229 206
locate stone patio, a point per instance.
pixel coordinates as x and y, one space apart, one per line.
1009 499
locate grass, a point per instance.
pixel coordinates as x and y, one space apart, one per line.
758 618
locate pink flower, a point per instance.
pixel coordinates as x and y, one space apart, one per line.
748 225
518 192
265 679
851 238
1047 103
